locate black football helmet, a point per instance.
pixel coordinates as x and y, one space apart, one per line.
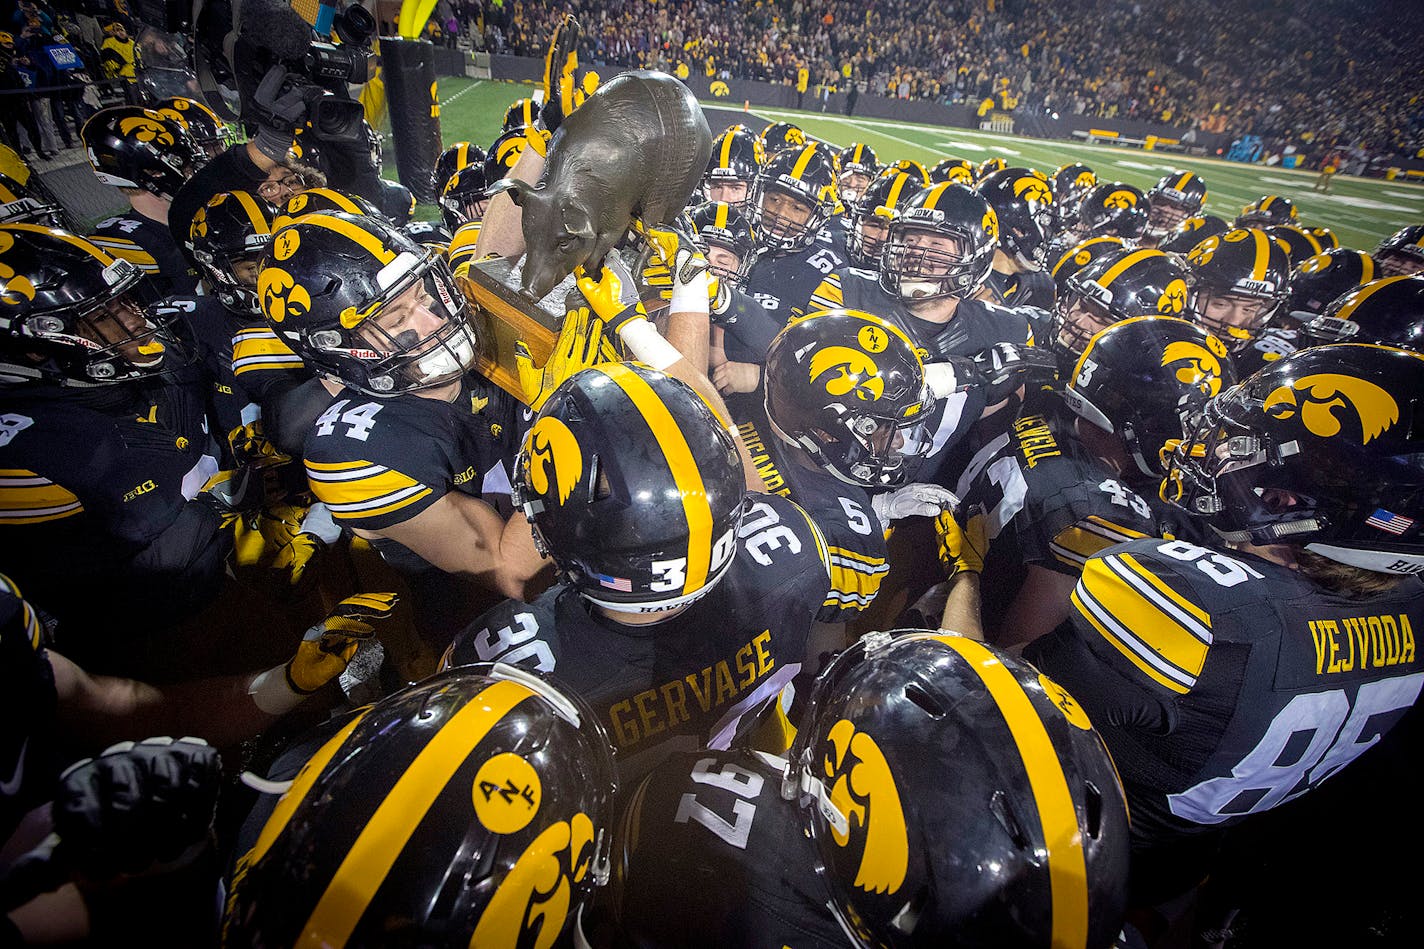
1401 253
1242 279
957 796
1071 183
465 196
1192 232
21 205
1318 280
1322 448
634 488
848 388
1113 209
717 224
779 136
360 301
908 166
1388 311
521 114
1298 243
1267 210
211 133
323 201
305 149
397 202
1326 238
429 233
504 153
856 159
72 314
988 166
1117 286
452 812
229 237
1079 256
912 270
457 156
733 167
805 175
959 171
870 217
1022 200
1174 198
133 147
1146 378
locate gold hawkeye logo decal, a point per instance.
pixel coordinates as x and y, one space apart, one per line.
863 789
555 459
1318 397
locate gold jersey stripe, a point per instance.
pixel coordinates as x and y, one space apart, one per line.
1062 834
385 835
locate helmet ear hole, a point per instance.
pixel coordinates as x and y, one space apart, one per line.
924 700
601 487
999 807
1093 801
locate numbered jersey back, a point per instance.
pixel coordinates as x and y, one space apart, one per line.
1225 684
712 856
783 285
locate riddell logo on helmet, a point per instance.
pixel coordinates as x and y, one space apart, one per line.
1323 394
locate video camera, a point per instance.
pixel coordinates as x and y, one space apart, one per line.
272 34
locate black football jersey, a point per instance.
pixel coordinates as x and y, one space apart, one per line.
855 538
837 234
210 325
379 462
783 284
1225 684
91 480
28 753
149 246
1049 502
712 856
1030 288
1273 343
688 681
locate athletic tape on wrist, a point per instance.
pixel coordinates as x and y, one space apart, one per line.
647 344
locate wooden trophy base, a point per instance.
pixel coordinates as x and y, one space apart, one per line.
505 316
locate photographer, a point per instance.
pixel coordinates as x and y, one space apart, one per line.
286 80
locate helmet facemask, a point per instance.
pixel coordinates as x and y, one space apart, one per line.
928 263
784 219
1166 211
1235 315
865 245
393 336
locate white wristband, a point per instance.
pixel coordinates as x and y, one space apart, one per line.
690 297
271 693
647 344
940 378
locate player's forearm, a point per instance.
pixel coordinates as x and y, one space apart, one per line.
961 609
502 231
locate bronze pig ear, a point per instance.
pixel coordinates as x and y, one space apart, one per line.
577 222
517 190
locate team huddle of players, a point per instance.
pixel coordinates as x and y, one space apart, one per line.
1137 493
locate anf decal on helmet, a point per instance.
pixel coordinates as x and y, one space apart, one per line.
1374 408
555 459
863 791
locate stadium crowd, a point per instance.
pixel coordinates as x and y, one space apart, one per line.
1329 77
842 553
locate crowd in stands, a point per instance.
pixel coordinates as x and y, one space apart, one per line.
1333 77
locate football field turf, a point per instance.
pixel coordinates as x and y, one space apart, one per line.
1360 211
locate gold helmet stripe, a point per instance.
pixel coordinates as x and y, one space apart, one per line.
1263 254
385 835
893 198
1131 260
807 154
1347 312
1067 864
6 195
89 247
297 793
342 202
677 455
357 235
1367 266
1182 181
725 159
254 213
462 155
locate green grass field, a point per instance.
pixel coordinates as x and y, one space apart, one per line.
1360 211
